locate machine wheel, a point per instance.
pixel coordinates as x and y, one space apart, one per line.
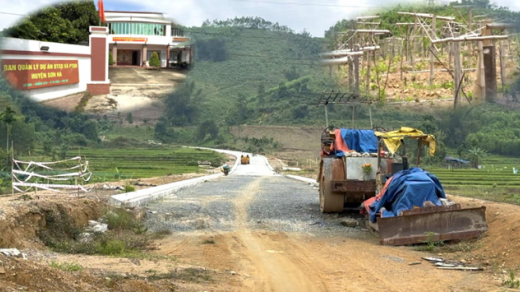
330 202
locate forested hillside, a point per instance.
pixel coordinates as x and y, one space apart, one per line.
251 71
34 126
239 63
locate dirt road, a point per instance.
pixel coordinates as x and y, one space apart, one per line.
268 233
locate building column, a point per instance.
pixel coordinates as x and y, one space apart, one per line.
168 56
114 53
145 52
98 42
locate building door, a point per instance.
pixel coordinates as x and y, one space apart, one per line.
135 58
124 57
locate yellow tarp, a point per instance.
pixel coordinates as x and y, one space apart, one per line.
393 139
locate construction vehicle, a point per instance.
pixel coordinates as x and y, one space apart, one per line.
244 159
355 179
345 182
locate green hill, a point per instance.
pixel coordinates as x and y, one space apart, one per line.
238 68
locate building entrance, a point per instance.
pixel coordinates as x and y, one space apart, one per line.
128 57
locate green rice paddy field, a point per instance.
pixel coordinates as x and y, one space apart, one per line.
113 164
496 170
495 181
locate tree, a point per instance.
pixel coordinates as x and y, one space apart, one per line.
154 60
162 132
292 74
475 155
129 118
63 150
283 91
180 107
61 23
8 118
300 112
207 129
110 58
48 145
82 14
261 89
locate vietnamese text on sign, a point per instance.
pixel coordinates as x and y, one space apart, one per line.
33 74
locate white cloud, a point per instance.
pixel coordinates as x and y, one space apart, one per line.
315 19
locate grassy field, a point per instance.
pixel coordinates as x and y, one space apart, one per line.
495 181
114 164
496 171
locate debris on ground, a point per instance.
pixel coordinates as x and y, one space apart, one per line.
141 184
450 265
107 187
13 252
94 226
349 222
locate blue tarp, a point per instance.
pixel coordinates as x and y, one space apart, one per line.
408 189
360 140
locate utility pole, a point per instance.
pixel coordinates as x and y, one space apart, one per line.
432 60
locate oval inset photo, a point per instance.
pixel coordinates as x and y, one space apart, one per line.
78 56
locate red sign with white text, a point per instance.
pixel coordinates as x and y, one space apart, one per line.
33 74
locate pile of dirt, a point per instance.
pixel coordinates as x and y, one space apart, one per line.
498 248
22 218
18 274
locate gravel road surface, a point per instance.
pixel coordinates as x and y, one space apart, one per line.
267 231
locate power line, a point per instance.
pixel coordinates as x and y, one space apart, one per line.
2 12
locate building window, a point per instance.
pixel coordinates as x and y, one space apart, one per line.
177 31
137 28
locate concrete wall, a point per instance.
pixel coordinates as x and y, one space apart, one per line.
56 51
92 62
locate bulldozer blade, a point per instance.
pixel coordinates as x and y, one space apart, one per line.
439 223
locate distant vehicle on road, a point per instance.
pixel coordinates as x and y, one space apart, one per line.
244 159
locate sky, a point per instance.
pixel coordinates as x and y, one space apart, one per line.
313 16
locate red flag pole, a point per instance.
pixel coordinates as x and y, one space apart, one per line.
103 12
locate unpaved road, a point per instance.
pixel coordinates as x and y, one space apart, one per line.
267 232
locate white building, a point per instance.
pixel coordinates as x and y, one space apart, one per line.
134 36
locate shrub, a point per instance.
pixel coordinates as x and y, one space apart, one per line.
110 58
154 60
447 85
512 282
112 247
192 163
120 219
129 188
69 267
